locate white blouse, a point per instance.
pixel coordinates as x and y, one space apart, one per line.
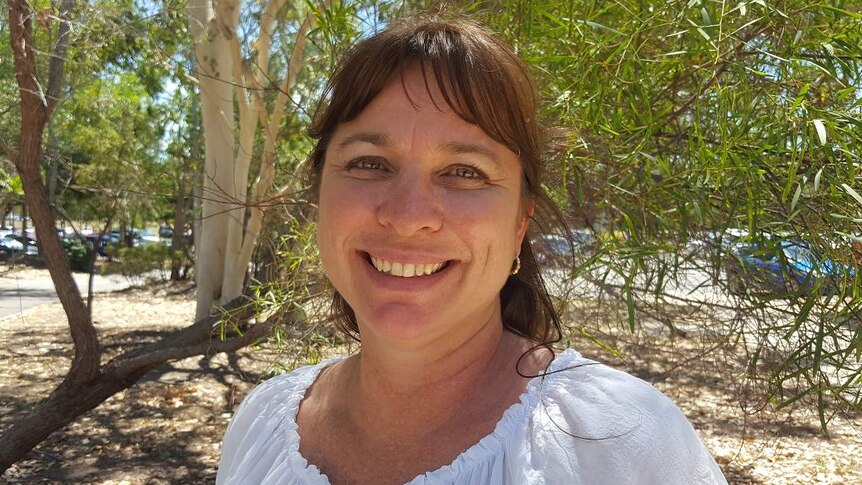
583 423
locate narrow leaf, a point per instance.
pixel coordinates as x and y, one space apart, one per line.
852 193
795 197
821 131
603 27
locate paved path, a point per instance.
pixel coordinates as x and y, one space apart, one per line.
18 293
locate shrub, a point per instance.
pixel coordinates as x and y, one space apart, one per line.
135 262
77 253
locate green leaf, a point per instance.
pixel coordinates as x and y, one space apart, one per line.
630 306
795 197
800 97
603 27
852 193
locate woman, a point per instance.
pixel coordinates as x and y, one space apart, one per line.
428 172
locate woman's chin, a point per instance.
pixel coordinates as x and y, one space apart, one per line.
401 323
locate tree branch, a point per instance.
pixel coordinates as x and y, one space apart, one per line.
55 70
271 125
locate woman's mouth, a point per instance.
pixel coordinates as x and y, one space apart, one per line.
406 270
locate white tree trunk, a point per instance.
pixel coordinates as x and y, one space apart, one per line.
219 195
227 236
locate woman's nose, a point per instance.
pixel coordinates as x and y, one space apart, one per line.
410 206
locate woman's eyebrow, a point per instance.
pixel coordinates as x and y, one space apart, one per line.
377 139
463 148
452 148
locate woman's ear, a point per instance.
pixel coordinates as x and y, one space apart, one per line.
528 212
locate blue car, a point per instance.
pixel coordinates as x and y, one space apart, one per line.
782 267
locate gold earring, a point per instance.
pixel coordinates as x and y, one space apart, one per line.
516 266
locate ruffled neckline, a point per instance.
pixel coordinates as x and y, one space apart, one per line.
486 450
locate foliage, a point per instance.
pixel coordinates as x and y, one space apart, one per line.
78 253
104 146
690 117
684 119
136 262
11 191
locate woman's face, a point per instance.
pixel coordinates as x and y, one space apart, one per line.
420 217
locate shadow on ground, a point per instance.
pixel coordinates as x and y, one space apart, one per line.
166 429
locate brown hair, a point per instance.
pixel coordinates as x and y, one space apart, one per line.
485 83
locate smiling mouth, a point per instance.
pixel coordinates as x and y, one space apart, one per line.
406 270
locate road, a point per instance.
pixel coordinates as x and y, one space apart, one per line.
20 291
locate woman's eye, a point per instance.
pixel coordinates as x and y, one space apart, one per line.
467 172
464 177
366 164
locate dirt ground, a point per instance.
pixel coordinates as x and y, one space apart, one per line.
167 429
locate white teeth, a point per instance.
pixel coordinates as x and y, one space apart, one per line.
405 270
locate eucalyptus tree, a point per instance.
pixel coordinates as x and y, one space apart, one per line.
109 135
249 79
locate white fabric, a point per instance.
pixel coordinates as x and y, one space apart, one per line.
625 432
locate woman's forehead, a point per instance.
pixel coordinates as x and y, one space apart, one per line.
397 122
413 100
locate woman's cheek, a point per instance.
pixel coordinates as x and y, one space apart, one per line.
478 208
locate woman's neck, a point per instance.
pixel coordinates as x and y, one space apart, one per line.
407 394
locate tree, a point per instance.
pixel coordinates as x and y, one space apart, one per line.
229 84
184 149
88 381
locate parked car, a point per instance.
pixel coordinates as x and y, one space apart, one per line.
705 243
165 231
32 248
782 267
9 245
144 237
100 243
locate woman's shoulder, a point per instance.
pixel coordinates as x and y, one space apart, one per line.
262 432
591 410
573 380
277 393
